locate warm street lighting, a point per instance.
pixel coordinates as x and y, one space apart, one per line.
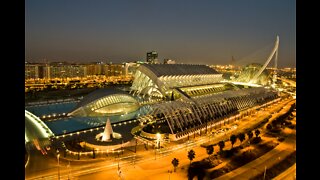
169 171
69 166
58 156
158 139
158 135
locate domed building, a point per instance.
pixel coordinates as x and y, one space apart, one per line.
106 102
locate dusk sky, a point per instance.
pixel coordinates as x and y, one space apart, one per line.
197 32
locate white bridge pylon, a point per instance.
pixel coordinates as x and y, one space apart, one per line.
274 52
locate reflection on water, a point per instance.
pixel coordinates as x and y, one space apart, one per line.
70 124
50 109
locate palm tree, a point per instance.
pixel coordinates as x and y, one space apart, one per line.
257 132
210 150
241 137
175 163
269 126
233 139
191 155
250 134
221 145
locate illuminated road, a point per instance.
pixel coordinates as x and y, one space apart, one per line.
289 174
139 157
258 166
292 83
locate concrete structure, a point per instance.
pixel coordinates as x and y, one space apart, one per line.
105 102
37 133
161 79
188 97
185 115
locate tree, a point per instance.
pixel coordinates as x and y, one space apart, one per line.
269 126
93 153
233 139
257 132
221 145
250 134
241 137
175 163
191 155
209 150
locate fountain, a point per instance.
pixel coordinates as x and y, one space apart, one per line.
108 132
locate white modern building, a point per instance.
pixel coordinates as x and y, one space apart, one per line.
161 79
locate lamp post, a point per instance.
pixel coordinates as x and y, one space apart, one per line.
58 155
169 171
69 166
158 139
157 146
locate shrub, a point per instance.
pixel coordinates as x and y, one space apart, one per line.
256 140
269 126
198 169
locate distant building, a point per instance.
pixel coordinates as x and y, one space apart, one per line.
114 69
169 61
152 57
63 70
95 69
69 70
33 71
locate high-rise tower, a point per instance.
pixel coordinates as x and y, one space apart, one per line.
152 57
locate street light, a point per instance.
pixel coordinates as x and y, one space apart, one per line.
264 174
58 155
158 139
157 146
69 166
169 171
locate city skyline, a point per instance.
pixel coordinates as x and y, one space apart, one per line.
206 32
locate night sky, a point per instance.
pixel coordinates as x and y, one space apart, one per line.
197 32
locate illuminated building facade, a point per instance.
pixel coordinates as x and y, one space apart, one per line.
184 116
162 79
188 97
104 102
33 71
249 71
66 70
114 69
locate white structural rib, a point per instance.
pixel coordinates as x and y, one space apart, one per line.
274 51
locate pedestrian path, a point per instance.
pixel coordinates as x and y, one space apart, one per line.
262 163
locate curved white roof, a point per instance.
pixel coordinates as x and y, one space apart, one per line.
100 93
179 69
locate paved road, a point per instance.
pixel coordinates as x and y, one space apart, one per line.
289 174
258 166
